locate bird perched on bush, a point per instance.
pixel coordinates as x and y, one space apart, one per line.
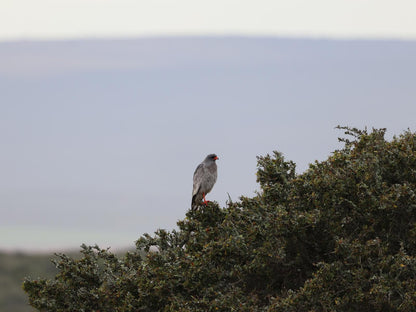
205 176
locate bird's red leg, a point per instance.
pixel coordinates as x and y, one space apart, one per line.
205 201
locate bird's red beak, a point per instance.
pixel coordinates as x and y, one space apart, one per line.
216 158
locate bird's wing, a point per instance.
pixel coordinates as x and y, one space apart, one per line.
199 172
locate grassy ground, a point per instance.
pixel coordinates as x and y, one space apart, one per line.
14 267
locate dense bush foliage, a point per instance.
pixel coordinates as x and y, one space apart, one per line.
339 237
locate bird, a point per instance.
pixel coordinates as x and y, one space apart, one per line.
205 176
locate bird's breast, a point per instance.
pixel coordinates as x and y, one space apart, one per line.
210 177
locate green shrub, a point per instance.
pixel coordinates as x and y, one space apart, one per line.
339 237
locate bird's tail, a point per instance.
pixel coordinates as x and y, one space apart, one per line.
193 203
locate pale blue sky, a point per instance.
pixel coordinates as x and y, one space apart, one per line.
100 138
63 19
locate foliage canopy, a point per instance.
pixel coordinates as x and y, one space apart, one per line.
339 237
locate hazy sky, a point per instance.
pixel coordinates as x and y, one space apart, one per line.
58 19
100 138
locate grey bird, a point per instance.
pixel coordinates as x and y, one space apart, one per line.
205 176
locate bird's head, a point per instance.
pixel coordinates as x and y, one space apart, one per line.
212 157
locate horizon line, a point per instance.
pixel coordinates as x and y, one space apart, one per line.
39 39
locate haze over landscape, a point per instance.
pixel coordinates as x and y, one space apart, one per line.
100 138
107 107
